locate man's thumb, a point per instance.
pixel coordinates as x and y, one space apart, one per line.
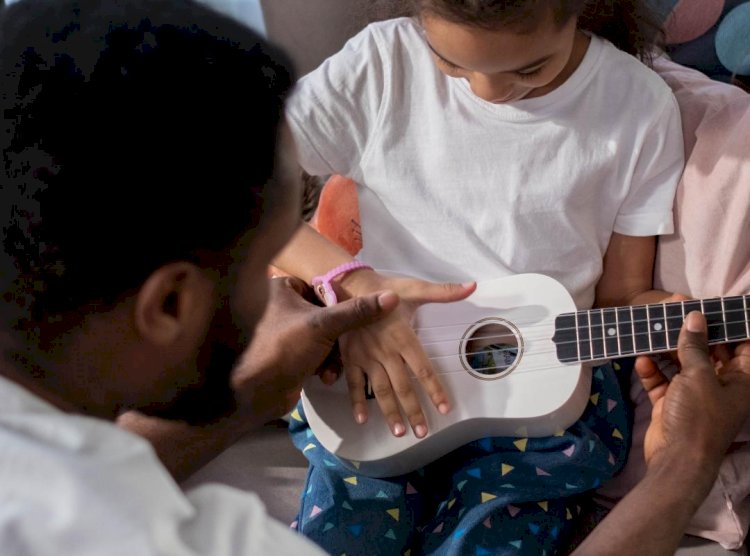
356 312
692 345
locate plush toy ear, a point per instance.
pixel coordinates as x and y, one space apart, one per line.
337 215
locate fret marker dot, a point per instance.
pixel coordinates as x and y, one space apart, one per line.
657 326
611 331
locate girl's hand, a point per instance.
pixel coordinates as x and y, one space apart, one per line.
389 354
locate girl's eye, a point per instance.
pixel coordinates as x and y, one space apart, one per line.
529 74
448 65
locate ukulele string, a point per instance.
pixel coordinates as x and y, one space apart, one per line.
512 336
514 348
538 352
502 336
545 323
557 365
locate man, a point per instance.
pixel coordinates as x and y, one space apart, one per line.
139 216
140 208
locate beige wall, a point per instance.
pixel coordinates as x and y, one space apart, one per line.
312 30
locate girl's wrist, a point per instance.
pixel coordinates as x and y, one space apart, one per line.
337 283
358 282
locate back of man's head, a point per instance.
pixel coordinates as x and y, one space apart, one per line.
136 133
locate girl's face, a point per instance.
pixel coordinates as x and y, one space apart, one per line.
505 65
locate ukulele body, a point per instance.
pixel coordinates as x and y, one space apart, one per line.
528 393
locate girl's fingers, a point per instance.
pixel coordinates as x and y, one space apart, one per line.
740 363
391 385
402 387
421 291
355 382
722 353
423 370
742 349
386 354
386 398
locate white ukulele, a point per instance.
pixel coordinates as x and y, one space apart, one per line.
538 384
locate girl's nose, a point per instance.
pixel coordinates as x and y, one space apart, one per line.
491 88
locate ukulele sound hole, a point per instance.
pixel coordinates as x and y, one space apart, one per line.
491 350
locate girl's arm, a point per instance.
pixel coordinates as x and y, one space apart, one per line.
309 254
628 273
388 352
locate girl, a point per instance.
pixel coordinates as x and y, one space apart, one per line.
489 138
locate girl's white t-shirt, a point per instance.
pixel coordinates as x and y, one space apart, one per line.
455 188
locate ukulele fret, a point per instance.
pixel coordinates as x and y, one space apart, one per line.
657 327
713 310
734 318
724 319
611 338
640 329
674 320
625 329
584 336
596 327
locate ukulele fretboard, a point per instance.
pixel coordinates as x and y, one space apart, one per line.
599 334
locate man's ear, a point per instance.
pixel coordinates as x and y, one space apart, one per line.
173 302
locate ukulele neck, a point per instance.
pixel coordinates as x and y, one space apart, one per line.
600 334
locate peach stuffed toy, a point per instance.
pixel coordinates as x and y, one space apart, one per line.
336 217
337 214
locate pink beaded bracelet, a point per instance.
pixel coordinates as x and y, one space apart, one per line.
323 286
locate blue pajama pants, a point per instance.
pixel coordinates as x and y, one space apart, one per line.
490 497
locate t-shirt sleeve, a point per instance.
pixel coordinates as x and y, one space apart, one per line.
647 209
334 111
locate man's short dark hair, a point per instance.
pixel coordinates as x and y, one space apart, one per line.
135 133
